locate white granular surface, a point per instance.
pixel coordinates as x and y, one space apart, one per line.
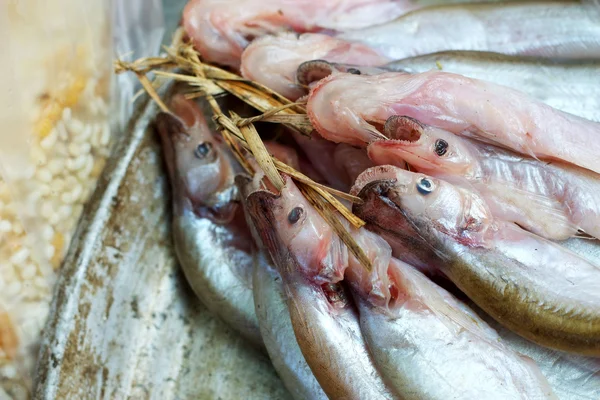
58 134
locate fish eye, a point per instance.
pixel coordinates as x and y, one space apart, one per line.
441 146
353 71
425 186
203 150
295 214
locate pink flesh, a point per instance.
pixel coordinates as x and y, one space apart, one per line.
320 153
273 60
553 200
283 153
353 160
221 29
344 107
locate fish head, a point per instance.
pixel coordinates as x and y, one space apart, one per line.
427 149
200 170
290 227
351 108
431 205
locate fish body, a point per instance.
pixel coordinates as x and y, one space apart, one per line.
278 334
221 29
406 319
431 346
533 286
551 199
546 29
324 319
210 235
353 109
559 83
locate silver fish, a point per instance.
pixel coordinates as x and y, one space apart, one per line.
278 334
325 321
561 84
532 286
210 235
547 29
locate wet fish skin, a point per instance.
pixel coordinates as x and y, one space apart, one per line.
210 236
431 346
324 320
554 29
553 200
221 29
273 60
530 285
559 83
278 334
350 108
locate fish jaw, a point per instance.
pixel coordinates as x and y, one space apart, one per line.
427 149
349 108
200 171
274 60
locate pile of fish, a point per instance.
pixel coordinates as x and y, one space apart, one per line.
471 135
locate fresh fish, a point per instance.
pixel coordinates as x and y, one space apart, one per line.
561 84
278 335
350 108
562 29
210 235
553 200
431 346
320 154
571 377
310 260
274 60
534 287
416 332
221 29
352 160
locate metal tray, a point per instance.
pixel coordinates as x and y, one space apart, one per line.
123 322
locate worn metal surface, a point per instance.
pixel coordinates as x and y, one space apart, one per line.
124 323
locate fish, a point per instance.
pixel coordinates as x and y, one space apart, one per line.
323 316
353 160
559 83
210 235
274 60
570 376
278 334
431 346
320 153
531 285
353 109
552 199
555 29
398 308
222 29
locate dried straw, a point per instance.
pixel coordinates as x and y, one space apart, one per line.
241 135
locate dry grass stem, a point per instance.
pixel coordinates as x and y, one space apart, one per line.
240 134
326 211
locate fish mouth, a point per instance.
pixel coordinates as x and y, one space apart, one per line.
404 129
312 71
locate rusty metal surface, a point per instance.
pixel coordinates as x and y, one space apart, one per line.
124 323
